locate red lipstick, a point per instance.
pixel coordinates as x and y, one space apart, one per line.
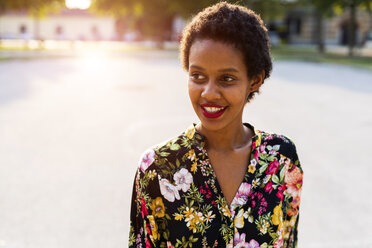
212 115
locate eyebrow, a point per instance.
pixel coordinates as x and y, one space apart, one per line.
221 70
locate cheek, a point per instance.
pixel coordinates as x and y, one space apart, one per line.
237 96
194 91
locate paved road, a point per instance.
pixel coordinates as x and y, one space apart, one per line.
72 129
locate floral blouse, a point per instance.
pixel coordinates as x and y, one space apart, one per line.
177 201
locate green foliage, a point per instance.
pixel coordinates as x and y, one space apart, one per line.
154 18
37 8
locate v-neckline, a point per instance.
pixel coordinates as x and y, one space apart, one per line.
230 206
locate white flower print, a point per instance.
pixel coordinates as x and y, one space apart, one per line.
168 190
267 179
253 162
183 179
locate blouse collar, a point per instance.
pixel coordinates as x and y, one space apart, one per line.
197 138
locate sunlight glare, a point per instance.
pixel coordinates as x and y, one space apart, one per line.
78 4
92 60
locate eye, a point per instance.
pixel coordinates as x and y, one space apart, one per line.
227 79
196 76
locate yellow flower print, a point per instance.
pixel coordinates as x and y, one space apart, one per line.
209 217
190 132
153 226
251 168
178 216
264 226
256 182
191 155
188 212
239 219
277 217
194 219
194 167
258 141
288 226
152 174
157 207
225 210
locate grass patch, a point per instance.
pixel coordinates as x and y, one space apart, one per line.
310 54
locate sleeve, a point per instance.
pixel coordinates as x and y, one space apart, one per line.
142 229
293 180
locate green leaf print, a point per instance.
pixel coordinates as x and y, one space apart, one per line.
174 147
275 179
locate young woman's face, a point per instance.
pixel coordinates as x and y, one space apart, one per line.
218 84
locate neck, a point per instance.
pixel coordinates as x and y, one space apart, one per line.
227 139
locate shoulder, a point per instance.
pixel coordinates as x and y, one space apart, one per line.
166 152
280 143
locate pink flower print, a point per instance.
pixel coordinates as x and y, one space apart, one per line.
278 243
292 176
262 148
260 210
272 168
148 243
256 154
168 190
214 203
143 208
259 195
253 244
241 196
296 202
293 180
239 238
206 191
183 179
263 202
269 187
293 190
146 160
280 192
202 191
273 152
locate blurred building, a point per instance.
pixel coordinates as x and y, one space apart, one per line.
68 24
301 27
75 24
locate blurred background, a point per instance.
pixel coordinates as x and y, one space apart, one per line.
87 85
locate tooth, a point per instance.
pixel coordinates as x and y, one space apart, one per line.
213 109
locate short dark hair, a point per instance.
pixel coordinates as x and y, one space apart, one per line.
235 25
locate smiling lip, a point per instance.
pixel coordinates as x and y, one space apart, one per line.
210 110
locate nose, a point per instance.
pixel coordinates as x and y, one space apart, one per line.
211 91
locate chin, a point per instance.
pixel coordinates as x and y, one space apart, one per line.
212 124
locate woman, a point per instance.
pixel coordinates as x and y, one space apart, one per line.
221 183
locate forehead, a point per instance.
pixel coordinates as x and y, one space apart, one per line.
215 55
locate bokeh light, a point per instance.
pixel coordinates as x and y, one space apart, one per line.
78 4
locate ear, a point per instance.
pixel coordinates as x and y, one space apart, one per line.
256 82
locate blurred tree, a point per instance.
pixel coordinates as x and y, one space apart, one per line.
270 10
324 8
125 13
154 18
351 6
